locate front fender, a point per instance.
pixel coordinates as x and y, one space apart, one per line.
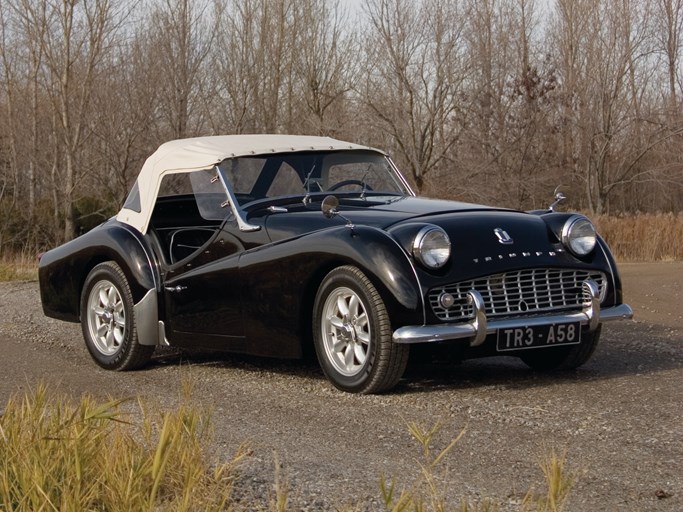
62 271
616 288
301 263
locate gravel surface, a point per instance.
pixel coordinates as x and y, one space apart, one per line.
619 418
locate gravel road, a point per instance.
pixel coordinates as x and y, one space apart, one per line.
619 418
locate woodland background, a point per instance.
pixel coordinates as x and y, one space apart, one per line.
479 100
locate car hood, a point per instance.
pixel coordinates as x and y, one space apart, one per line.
487 241
380 214
484 240
485 236
384 215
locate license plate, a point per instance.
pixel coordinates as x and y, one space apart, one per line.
520 338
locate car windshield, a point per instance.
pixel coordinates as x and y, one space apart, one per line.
360 173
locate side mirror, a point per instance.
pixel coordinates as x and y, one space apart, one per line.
329 206
559 197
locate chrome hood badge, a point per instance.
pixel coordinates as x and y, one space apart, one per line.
503 237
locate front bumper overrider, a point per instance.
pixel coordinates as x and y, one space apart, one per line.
477 329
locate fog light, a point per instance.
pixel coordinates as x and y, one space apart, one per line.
446 300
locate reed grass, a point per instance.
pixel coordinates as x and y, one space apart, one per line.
59 456
18 267
643 237
56 455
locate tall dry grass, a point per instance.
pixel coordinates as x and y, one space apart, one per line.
18 267
427 494
643 237
59 456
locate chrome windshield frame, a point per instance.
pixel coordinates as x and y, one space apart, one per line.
238 213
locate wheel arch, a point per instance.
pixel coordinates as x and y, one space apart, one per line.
383 262
310 291
64 270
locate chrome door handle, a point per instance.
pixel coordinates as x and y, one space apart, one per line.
175 288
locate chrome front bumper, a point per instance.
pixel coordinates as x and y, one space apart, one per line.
478 328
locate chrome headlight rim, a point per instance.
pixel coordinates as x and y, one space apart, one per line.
579 244
436 257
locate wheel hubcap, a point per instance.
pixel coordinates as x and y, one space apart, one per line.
346 331
106 318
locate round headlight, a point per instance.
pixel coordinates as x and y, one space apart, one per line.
432 247
578 235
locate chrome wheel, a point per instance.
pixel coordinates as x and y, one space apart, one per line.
352 334
106 318
346 331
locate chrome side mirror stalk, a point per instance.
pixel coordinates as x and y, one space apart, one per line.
559 197
330 208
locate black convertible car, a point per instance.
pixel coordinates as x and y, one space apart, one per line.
262 244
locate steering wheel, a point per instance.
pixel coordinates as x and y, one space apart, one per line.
345 183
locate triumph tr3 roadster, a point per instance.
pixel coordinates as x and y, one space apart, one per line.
270 244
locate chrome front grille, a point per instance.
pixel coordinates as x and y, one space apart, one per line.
517 293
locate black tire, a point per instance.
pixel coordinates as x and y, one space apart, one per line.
563 358
355 350
108 320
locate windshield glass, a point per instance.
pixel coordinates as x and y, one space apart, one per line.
307 173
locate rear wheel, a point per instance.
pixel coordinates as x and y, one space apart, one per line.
352 334
563 358
108 320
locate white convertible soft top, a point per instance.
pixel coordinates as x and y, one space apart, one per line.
205 152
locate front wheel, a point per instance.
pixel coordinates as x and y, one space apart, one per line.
564 358
352 334
108 320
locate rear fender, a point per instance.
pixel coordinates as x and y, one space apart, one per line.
62 271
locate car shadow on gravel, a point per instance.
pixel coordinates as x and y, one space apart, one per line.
306 368
628 349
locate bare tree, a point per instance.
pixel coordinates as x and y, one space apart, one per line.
324 66
180 47
511 104
22 29
605 67
475 99
130 126
669 16
416 67
76 39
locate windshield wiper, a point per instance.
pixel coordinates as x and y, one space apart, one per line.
307 186
365 185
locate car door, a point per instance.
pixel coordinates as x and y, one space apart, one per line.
202 297
201 240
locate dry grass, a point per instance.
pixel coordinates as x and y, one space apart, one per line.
643 237
59 456
559 483
425 494
19 267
